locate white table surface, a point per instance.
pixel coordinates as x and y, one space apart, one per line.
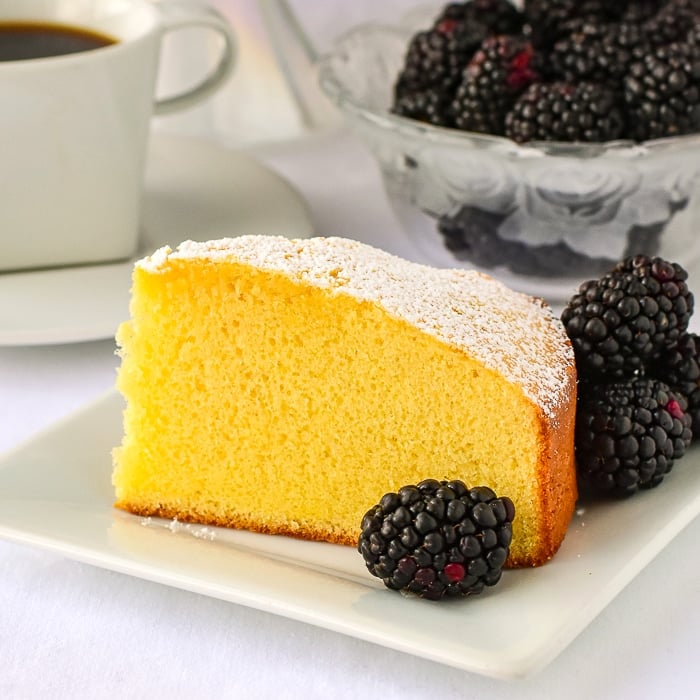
69 630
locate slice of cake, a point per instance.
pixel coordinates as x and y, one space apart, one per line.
284 385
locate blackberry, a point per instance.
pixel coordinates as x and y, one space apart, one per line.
496 16
549 20
575 56
680 369
628 435
623 322
438 539
497 73
672 21
431 106
472 234
600 53
622 45
639 11
662 92
565 112
436 57
433 61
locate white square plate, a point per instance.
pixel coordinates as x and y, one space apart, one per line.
55 493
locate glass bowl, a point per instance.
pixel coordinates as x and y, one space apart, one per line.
541 217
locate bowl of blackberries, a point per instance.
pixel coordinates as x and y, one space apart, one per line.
540 141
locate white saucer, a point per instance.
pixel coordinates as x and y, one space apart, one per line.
193 190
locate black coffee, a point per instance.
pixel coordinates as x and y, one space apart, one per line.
20 41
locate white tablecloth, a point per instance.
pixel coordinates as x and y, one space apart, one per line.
69 630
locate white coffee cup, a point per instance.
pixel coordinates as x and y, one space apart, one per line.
74 128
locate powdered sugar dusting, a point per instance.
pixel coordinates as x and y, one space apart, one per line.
201 532
511 333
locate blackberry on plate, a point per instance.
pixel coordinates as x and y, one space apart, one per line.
582 112
662 92
497 73
679 367
625 320
438 539
628 435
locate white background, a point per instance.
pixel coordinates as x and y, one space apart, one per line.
69 630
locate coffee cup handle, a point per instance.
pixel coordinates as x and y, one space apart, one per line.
187 16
